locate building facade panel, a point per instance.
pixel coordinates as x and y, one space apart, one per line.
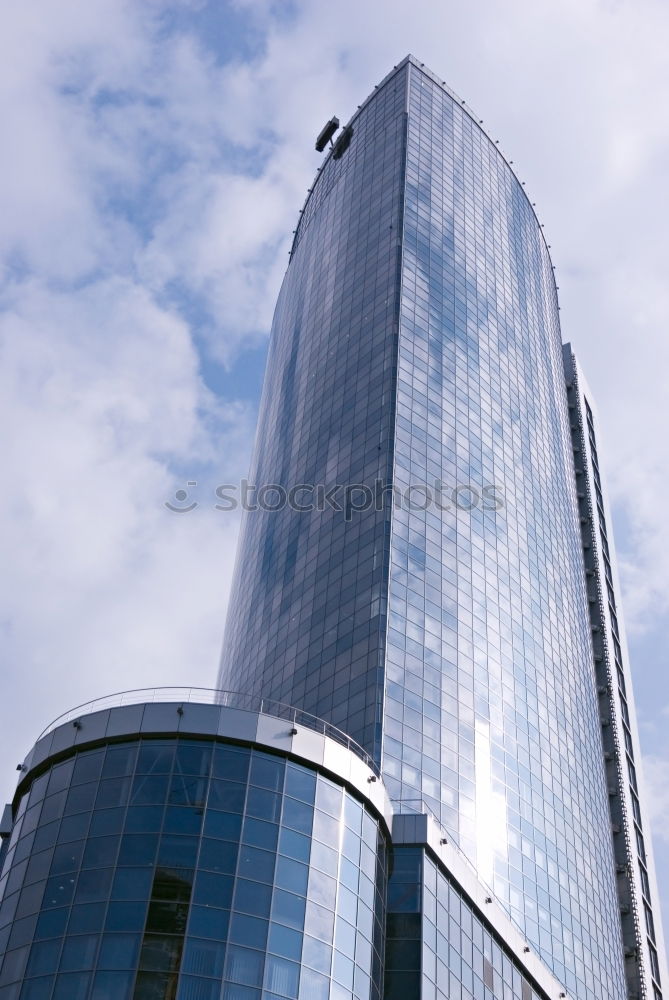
448 631
491 715
437 945
645 963
190 869
306 623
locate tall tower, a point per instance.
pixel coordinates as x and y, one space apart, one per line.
419 774
441 615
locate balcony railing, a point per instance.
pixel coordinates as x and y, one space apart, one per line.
226 699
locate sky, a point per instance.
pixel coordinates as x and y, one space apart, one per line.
155 156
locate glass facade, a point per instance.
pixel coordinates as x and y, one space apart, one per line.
437 946
491 715
307 618
416 345
645 966
190 870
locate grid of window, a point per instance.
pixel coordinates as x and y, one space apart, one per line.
491 714
629 842
162 869
416 342
437 948
306 623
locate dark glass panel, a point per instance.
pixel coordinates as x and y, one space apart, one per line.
22 932
67 857
212 889
403 897
44 957
112 792
87 767
86 917
182 819
209 922
144 819
161 952
267 771
37 989
74 827
72 986
193 758
51 922
228 796
93 884
218 856
14 964
167 917
38 867
300 783
52 808
177 852
100 852
39 785
58 891
148 789
256 864
260 833
106 821
263 804
400 985
79 952
188 790
132 883
248 931
138 849
155 757
173 884
252 897
155 986
119 761
227 826
125 917
112 986
44 837
15 879
231 763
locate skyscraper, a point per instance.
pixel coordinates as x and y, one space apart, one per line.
418 776
416 344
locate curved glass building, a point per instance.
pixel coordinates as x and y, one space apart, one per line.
452 807
414 572
193 851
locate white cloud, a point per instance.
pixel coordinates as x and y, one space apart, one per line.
656 778
107 589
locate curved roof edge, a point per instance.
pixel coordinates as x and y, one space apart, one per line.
198 720
413 61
